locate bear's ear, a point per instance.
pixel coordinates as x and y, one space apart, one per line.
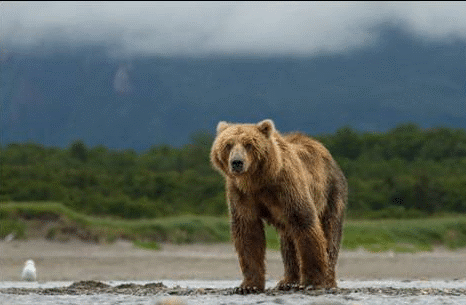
267 127
221 126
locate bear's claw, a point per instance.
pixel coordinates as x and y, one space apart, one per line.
296 287
247 290
288 286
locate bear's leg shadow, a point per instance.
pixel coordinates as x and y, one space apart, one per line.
249 239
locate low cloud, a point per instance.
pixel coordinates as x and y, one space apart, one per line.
225 27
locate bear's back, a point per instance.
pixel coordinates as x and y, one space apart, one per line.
308 149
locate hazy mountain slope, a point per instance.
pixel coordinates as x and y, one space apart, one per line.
62 93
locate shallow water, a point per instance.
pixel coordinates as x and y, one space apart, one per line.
218 292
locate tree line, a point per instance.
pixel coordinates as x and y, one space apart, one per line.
404 171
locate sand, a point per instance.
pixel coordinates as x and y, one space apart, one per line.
79 261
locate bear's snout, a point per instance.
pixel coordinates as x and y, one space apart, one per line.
238 160
237 166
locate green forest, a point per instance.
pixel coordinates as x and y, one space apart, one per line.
406 172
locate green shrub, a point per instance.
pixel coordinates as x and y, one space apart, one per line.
9 226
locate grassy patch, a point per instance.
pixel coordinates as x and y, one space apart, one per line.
273 240
150 245
399 235
8 226
405 235
63 222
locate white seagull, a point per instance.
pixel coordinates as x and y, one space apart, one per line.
29 271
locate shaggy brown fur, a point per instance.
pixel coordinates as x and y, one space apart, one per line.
293 183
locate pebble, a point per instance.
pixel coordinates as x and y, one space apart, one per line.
171 301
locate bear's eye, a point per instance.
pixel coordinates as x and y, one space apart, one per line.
248 146
228 146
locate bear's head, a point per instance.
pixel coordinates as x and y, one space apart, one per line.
242 149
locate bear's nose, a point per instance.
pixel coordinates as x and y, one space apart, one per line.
237 165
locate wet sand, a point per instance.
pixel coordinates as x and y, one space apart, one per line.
80 261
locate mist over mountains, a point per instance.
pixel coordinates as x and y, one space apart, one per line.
57 93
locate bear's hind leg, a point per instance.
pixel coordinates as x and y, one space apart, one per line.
312 252
311 246
290 262
332 225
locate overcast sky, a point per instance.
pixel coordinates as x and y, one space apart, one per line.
225 27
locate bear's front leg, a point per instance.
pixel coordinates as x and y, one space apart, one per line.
249 238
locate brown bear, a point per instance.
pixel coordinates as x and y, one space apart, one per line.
292 182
